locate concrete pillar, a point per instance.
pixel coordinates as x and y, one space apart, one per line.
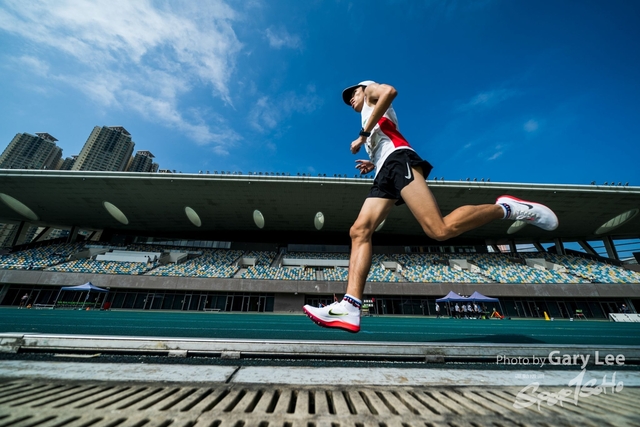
611 248
3 291
512 247
20 233
587 248
538 246
73 235
43 234
559 246
93 235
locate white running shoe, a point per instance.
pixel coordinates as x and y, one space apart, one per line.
530 212
336 315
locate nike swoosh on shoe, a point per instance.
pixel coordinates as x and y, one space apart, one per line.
525 204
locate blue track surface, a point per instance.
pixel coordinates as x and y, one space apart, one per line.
298 327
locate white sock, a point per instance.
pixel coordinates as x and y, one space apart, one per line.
351 302
507 210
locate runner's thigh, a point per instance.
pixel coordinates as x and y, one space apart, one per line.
422 203
374 210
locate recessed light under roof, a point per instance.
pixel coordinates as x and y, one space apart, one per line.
193 216
19 207
258 218
318 221
115 213
618 221
378 228
516 226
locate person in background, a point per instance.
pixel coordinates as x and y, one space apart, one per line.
24 300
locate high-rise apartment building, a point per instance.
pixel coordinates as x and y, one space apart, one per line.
26 151
143 162
108 148
67 164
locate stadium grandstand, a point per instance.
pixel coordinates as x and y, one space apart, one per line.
266 243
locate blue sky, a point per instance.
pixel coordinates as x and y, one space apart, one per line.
515 91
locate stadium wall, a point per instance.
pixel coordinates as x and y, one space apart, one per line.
289 294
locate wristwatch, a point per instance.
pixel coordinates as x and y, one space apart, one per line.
363 133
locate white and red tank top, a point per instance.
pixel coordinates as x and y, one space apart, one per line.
385 137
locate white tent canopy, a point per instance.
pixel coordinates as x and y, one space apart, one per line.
86 287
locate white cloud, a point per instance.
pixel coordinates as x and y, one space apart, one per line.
487 99
269 113
492 151
495 155
271 146
138 54
279 38
163 110
33 64
261 115
531 126
104 88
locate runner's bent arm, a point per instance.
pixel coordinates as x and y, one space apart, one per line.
380 95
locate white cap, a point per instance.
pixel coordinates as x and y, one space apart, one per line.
346 94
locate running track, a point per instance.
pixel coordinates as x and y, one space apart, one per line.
297 327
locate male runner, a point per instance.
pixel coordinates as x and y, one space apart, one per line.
401 178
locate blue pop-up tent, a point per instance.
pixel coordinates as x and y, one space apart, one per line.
452 297
477 296
87 287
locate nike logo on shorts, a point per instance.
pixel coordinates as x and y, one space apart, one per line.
408 170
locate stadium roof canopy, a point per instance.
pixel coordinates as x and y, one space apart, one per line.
221 207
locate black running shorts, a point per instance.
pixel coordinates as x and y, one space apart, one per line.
396 173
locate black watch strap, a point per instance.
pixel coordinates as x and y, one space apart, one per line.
363 133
